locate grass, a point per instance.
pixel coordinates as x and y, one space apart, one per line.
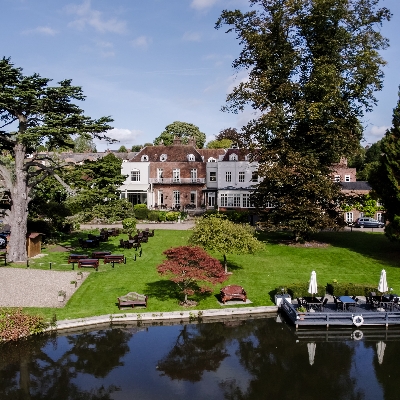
356 257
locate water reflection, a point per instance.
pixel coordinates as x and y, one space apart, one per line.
235 360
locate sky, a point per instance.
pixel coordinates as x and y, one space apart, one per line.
148 63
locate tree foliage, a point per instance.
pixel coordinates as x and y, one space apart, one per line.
192 269
230 134
33 113
313 67
219 144
182 130
84 144
386 179
216 233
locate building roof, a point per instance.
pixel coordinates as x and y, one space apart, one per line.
174 153
358 185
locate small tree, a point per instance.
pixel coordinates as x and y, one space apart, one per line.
216 233
191 268
129 225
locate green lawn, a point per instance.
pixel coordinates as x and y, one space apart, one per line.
356 257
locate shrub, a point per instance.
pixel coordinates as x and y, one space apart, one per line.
15 324
172 215
162 216
349 289
299 290
141 211
152 215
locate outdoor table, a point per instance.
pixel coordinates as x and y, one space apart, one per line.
74 258
312 302
347 301
383 301
100 254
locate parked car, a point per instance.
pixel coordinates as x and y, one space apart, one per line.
3 241
367 222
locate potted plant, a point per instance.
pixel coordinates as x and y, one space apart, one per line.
302 311
61 295
79 275
75 283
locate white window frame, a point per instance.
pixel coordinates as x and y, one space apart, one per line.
347 178
163 157
176 175
191 157
135 173
177 198
379 216
242 175
144 158
349 217
193 174
254 176
233 157
246 200
336 178
160 174
228 176
212 159
213 176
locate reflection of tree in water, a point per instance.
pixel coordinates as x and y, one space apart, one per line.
27 372
387 372
97 353
281 369
198 348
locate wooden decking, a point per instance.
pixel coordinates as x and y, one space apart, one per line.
361 315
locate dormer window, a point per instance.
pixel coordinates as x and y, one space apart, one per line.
145 158
163 157
233 157
212 159
191 157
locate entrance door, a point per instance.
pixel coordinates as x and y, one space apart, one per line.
211 199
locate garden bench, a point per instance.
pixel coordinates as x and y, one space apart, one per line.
114 258
132 299
74 258
89 263
100 254
231 292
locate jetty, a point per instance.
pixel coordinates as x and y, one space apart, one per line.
362 314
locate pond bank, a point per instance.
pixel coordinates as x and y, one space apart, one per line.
174 317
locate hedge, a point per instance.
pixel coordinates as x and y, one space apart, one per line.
299 290
349 289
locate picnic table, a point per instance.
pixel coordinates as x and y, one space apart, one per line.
89 263
100 254
231 292
114 258
74 258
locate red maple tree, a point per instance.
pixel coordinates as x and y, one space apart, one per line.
192 269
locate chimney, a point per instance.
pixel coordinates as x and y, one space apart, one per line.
177 141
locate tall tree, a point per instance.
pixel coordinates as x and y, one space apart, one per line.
231 134
313 67
84 145
216 233
219 144
386 179
33 113
182 130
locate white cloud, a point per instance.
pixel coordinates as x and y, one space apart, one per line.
141 41
86 16
378 131
202 4
124 136
43 30
192 36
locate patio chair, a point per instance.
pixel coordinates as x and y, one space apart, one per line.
324 303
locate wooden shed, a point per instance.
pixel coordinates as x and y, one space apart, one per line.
34 243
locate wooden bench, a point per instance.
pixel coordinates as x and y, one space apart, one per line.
74 258
89 263
100 254
231 292
132 299
114 258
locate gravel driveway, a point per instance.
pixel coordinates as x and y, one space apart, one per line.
35 288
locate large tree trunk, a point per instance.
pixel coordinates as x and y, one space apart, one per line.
18 215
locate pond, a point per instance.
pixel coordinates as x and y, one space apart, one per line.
242 359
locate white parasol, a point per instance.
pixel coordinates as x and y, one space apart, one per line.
311 352
380 349
312 288
383 286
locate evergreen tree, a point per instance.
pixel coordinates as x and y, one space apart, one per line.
386 179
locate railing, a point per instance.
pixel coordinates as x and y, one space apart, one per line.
177 181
